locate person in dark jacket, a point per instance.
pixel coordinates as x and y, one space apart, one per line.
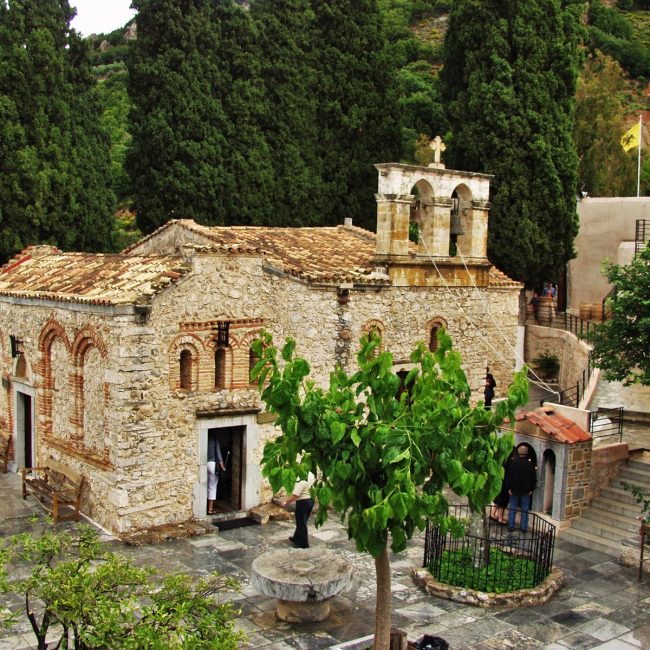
521 480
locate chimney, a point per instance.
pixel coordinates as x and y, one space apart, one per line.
347 221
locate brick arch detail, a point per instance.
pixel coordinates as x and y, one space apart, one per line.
434 323
196 346
85 339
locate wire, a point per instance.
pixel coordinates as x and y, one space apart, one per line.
476 327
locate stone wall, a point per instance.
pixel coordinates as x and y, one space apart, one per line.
109 399
605 462
578 493
572 353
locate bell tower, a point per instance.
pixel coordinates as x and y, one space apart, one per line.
446 210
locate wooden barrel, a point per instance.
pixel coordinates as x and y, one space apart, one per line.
585 310
596 311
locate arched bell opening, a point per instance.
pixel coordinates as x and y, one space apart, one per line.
460 222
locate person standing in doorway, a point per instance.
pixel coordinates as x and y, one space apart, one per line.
304 506
521 480
214 459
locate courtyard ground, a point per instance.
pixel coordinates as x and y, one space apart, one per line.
603 605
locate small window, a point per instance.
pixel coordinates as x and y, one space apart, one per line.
186 370
220 368
433 338
252 362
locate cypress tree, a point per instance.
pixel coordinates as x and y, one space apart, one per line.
289 122
356 107
53 160
196 150
508 83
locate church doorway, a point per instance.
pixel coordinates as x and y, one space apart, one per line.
238 486
24 429
229 483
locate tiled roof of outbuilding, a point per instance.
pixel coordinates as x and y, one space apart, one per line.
556 426
45 273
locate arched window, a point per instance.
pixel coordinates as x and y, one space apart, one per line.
433 338
220 368
252 362
185 362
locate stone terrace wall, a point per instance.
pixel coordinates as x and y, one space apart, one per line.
578 492
572 353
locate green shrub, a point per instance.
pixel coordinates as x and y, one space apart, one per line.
547 365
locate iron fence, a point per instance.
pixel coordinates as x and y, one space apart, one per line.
642 235
571 396
487 563
607 423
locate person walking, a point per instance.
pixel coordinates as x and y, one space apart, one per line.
304 506
521 480
214 459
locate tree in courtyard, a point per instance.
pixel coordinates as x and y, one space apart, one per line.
508 83
71 585
604 168
622 342
382 461
54 158
356 109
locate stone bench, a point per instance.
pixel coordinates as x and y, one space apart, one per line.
303 580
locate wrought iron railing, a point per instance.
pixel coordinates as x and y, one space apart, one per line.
573 395
463 561
642 235
607 423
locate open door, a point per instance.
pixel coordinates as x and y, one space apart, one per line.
24 431
230 485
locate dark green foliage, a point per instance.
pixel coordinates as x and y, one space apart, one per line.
508 85
288 119
622 343
54 157
611 31
502 573
355 106
197 150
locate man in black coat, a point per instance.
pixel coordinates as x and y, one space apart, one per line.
521 480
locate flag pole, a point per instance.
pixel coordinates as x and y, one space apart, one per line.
638 169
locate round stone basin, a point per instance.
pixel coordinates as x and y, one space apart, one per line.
303 580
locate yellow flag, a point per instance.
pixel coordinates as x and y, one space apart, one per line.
632 138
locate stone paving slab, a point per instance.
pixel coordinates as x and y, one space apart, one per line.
602 605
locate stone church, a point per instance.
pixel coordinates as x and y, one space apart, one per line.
120 365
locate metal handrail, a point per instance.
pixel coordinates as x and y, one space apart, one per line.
607 423
642 235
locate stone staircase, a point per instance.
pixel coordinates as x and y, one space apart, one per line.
610 523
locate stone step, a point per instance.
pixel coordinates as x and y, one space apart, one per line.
591 541
636 474
638 465
618 494
628 510
598 517
618 483
602 529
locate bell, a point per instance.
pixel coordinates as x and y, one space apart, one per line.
455 226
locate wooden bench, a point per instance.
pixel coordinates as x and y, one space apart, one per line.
57 487
5 445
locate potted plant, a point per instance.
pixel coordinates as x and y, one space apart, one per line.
547 365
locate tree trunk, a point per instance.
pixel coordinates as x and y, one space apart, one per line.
478 527
383 603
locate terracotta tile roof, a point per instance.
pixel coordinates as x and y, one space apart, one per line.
554 425
319 254
43 272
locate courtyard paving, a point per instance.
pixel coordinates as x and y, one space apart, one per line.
603 605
